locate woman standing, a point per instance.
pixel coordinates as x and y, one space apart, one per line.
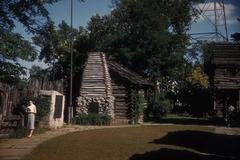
31 110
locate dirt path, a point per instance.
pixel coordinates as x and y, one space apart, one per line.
227 131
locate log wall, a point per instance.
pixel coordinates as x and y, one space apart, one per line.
226 75
121 92
226 62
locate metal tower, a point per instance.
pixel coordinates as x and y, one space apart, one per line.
211 14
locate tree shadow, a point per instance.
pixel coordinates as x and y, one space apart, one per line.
216 121
172 154
213 146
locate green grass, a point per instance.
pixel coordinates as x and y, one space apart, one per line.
190 120
182 116
166 142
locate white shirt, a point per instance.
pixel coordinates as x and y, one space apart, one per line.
231 108
32 108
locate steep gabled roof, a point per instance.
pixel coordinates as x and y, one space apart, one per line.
128 74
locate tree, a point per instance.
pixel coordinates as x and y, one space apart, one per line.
236 36
55 48
146 35
38 72
198 78
32 15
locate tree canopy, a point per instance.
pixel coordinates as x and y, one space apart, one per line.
146 35
32 15
55 48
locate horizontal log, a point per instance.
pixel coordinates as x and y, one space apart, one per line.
93 85
118 109
92 94
121 105
120 95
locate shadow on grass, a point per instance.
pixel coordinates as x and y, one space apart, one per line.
214 147
172 154
216 121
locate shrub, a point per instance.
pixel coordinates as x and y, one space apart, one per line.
138 107
92 119
42 105
20 132
160 106
196 101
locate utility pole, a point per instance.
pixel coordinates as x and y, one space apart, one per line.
225 21
70 109
215 21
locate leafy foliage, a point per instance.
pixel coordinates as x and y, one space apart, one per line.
198 78
137 107
32 15
236 36
147 36
42 105
196 101
12 48
55 47
38 72
92 119
20 132
160 105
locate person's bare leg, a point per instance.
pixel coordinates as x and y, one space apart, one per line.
30 133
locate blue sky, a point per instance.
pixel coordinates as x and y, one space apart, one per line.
83 11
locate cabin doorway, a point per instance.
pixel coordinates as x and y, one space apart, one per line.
93 107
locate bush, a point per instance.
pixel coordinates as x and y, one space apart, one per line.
92 119
138 107
42 105
196 101
20 132
159 106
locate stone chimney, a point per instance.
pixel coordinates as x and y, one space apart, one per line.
96 90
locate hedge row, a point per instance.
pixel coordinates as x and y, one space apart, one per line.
92 119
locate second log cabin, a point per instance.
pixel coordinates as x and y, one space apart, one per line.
224 75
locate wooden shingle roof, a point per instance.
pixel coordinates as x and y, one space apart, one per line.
226 53
128 74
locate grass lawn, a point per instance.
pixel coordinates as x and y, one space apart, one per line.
165 142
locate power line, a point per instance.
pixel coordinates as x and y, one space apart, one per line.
213 14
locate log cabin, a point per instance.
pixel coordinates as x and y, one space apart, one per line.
224 75
108 87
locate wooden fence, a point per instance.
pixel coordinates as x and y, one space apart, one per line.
11 95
